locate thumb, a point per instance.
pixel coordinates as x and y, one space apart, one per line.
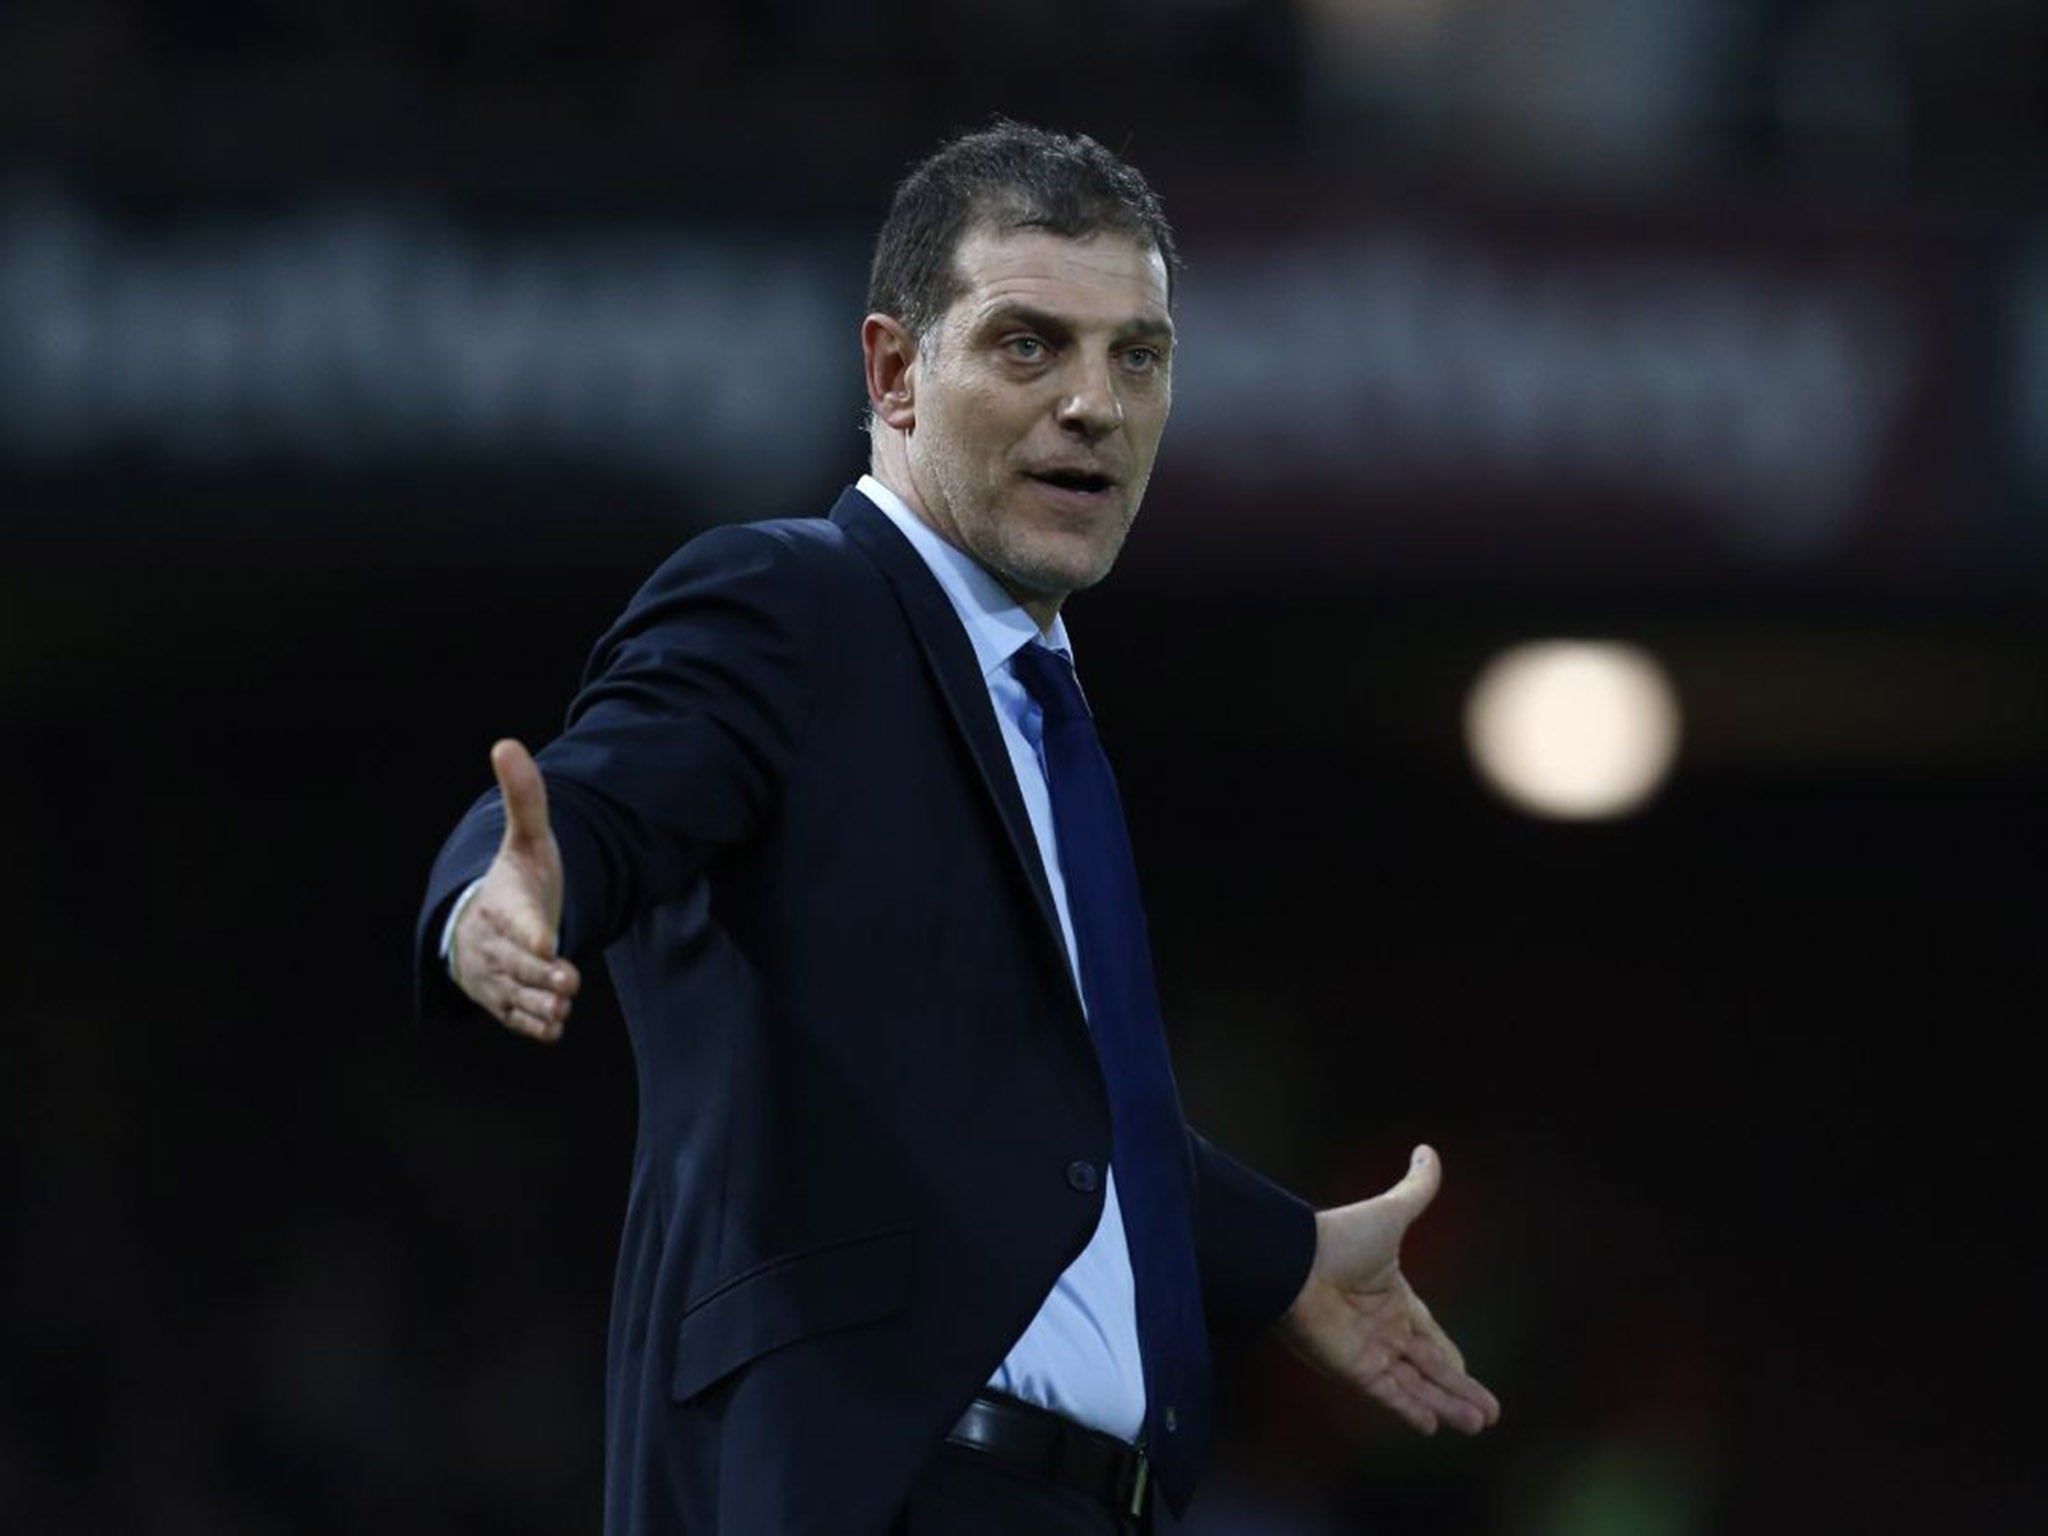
524 791
1420 1183
1359 1242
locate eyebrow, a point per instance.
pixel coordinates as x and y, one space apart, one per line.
1153 328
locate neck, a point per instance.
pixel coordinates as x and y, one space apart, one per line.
892 468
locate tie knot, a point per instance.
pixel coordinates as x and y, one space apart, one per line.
1049 678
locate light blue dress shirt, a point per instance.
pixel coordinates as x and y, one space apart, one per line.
1079 1355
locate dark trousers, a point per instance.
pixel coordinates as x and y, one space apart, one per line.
965 1493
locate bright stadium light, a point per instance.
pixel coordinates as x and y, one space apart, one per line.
1573 729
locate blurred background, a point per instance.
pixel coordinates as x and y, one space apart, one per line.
358 360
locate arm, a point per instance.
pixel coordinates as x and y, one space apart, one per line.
1253 1240
677 745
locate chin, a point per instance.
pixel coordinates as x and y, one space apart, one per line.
1059 579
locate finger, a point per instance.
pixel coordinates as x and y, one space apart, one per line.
1487 1404
1439 1367
514 959
524 791
539 1003
1445 1346
1433 1341
1442 1376
1446 1407
1371 1363
1388 1392
521 1021
520 923
1432 1346
1437 1358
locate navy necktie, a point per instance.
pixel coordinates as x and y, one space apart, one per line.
1149 1150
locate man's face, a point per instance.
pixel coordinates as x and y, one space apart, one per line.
1039 399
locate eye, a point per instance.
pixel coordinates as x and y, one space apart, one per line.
1141 359
1025 349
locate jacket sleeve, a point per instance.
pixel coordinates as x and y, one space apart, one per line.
676 745
1253 1240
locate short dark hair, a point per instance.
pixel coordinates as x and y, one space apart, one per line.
1006 176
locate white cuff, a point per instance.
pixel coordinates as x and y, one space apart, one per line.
448 928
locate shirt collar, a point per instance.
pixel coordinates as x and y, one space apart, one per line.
996 623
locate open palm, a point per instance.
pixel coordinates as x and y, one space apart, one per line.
1358 1319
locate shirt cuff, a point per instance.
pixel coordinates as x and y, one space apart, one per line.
448 928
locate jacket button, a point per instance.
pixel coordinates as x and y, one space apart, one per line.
1082 1176
1172 1419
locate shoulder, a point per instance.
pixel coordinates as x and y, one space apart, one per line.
798 553
770 589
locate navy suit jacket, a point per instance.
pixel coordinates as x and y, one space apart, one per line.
871 1123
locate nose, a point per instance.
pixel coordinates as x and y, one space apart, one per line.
1090 407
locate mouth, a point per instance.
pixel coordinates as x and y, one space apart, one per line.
1075 481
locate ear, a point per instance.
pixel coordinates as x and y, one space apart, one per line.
889 352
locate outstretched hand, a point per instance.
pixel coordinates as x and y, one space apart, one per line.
503 950
1358 1319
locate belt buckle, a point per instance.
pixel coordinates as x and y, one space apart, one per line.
1141 1482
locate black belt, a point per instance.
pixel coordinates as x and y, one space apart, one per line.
1042 1444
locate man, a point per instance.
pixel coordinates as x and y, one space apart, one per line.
917 1239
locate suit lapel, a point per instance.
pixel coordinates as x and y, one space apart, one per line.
958 674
